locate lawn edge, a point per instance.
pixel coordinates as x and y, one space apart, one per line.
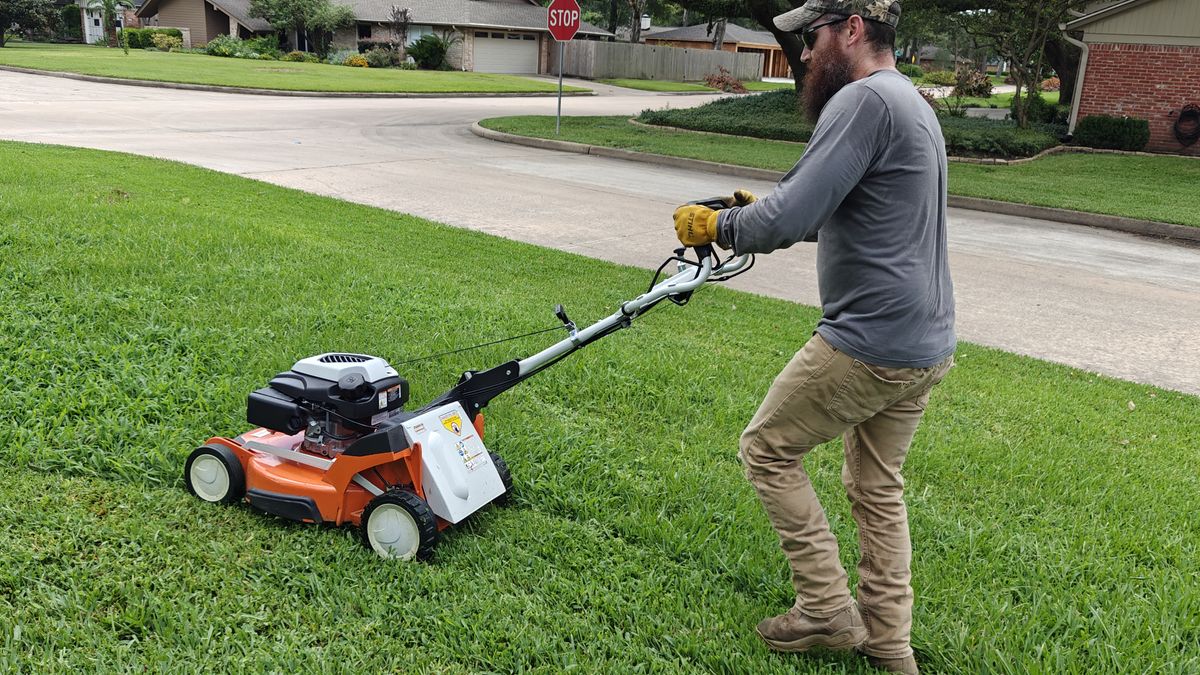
162 84
1170 232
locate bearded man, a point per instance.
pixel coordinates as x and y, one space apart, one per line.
872 185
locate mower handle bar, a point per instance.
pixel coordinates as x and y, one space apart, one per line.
689 277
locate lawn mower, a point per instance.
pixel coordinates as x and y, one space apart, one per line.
332 442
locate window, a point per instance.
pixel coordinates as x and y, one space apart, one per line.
364 31
527 37
95 22
481 33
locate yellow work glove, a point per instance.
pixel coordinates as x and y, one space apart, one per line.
695 225
741 198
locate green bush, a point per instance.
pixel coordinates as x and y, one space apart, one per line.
71 20
383 58
911 69
942 78
297 56
1114 133
981 137
429 52
165 42
773 115
143 38
1039 111
234 47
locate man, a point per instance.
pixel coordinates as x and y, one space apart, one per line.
872 184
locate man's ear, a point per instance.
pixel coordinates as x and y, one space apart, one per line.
856 30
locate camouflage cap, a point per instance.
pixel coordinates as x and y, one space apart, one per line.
883 11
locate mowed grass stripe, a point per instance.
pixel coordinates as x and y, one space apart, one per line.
142 300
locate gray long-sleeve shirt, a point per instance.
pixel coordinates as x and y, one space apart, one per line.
872 182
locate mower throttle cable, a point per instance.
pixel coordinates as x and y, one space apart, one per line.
485 344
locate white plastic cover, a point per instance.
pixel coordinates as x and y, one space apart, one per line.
457 472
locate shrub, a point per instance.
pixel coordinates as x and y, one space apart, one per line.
980 137
294 56
1051 84
357 61
71 20
774 115
911 69
972 83
725 81
223 45
143 38
338 58
1039 111
383 58
263 44
942 78
234 47
1115 133
165 42
429 51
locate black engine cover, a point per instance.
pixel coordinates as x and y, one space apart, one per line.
292 398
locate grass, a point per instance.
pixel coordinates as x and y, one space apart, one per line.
1003 101
1151 188
666 85
141 300
227 72
657 85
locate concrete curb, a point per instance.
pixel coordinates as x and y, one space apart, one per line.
1149 228
281 92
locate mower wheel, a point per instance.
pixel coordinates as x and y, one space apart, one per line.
214 474
505 477
399 524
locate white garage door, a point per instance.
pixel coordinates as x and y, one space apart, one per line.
497 52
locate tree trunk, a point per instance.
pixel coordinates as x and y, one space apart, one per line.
1064 58
612 16
718 33
764 14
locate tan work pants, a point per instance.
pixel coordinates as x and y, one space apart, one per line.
820 394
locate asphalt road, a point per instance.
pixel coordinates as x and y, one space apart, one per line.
1107 302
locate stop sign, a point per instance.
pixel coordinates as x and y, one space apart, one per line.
562 18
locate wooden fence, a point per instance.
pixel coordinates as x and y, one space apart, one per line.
594 60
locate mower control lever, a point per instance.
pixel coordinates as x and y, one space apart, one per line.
562 316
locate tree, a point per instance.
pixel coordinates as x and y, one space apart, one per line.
399 21
1024 33
315 20
24 15
109 9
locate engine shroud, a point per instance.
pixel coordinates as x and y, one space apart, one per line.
334 386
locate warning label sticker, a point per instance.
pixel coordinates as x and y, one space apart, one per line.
472 457
452 422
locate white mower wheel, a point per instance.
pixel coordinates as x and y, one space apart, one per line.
399 525
214 474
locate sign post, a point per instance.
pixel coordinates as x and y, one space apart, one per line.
562 20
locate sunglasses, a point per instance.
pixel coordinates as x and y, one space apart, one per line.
809 35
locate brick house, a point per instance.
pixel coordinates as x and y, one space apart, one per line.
1141 58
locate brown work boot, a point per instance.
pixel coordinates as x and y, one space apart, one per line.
903 664
797 631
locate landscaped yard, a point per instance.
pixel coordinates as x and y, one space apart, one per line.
998 100
142 300
1151 188
202 69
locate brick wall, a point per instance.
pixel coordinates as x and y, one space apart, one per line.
1144 81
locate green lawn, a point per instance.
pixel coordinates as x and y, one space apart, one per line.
666 85
142 300
998 100
227 72
1151 188
657 85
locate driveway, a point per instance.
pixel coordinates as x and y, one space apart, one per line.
1102 301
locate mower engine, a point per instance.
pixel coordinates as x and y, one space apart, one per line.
335 399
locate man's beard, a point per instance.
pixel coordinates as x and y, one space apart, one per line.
824 78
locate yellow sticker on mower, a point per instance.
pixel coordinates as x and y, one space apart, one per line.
452 422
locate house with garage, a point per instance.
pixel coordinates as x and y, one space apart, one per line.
1141 58
737 40
497 36
494 36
